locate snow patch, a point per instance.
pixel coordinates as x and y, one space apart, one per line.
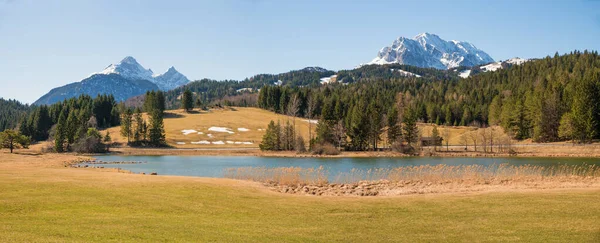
311 121
405 73
220 129
218 142
465 74
189 131
201 142
329 79
241 129
180 143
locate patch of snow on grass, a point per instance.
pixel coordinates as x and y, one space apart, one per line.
218 142
220 129
180 143
247 143
311 121
209 135
201 142
229 142
188 131
328 79
465 74
492 67
200 133
241 129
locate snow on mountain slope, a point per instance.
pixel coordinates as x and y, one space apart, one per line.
465 74
170 79
431 51
130 69
494 66
405 73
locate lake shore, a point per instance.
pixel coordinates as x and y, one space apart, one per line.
44 201
566 151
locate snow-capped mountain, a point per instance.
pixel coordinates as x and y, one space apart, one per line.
123 80
118 86
129 68
431 51
170 79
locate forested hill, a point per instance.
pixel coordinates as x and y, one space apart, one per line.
208 90
548 99
11 111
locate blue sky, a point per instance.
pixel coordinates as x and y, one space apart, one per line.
45 44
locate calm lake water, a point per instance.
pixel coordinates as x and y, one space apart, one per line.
214 166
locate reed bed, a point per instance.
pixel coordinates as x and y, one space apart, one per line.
280 175
423 173
442 172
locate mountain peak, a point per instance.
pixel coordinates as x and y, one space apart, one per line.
170 79
430 50
129 60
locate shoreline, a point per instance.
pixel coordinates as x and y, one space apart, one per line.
255 152
64 163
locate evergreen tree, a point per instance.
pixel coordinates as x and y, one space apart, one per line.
157 130
410 130
394 131
126 124
187 101
270 138
12 139
435 135
60 136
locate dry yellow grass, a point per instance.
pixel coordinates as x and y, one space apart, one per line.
252 119
43 201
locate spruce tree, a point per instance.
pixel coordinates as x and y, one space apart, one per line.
60 135
394 131
157 130
187 101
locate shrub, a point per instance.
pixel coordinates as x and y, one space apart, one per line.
90 143
300 146
325 149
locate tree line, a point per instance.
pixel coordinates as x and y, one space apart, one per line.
549 99
140 132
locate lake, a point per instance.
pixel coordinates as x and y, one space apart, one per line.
214 166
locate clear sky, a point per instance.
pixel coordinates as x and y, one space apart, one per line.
47 43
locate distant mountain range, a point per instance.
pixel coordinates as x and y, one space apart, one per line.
430 51
123 80
128 78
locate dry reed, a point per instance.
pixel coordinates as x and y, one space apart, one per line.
280 175
422 173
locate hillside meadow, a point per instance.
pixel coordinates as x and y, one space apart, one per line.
41 200
248 124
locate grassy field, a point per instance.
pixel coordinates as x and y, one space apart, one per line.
256 121
42 201
253 119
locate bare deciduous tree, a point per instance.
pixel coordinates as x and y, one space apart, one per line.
340 133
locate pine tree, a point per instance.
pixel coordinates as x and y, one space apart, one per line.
270 138
374 124
60 136
157 130
410 130
126 124
72 127
187 101
394 131
435 135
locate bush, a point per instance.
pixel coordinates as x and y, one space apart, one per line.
89 144
325 149
300 146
